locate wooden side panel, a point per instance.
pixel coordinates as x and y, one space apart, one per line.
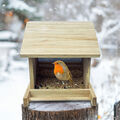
32 71
59 94
86 71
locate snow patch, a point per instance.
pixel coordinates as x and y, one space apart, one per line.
21 5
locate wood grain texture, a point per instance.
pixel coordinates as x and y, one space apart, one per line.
63 95
32 72
59 39
86 71
59 95
93 96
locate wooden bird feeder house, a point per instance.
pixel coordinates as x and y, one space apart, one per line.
75 43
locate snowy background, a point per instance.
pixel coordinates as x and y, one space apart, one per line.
14 75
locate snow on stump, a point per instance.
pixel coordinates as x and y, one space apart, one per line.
60 111
117 111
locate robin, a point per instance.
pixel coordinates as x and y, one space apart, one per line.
62 72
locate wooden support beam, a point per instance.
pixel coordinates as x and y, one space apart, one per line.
26 97
32 71
86 71
92 96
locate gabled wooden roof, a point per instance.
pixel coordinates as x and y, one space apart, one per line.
60 39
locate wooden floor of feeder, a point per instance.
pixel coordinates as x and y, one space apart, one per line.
59 95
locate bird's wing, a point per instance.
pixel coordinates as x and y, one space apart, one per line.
66 69
70 74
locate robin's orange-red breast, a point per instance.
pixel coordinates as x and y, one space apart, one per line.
61 71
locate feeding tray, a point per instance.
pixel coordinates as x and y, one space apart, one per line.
75 43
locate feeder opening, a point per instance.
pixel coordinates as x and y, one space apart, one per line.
45 78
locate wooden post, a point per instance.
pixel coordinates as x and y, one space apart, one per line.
59 111
26 97
93 96
86 71
32 71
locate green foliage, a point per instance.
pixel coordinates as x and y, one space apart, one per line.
6 2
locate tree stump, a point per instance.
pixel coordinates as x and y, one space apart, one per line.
59 111
117 111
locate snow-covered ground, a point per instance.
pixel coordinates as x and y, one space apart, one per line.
12 89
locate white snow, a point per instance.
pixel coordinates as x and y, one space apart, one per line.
20 5
7 45
12 90
58 106
7 35
98 11
14 79
105 80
